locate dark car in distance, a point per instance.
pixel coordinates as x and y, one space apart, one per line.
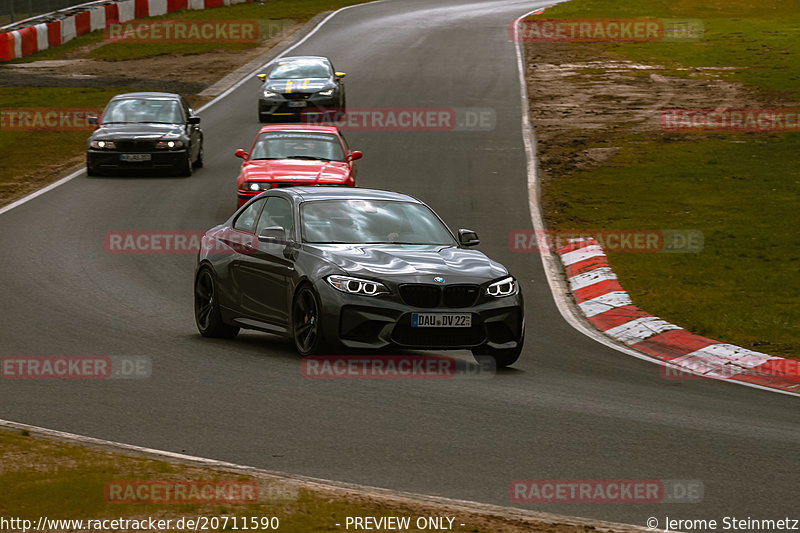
298 87
146 132
335 267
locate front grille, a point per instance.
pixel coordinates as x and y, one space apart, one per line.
404 335
135 146
418 295
454 296
296 96
460 295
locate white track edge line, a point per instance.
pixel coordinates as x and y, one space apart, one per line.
552 270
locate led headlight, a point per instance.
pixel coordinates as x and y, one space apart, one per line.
327 92
266 93
103 145
504 287
357 286
169 145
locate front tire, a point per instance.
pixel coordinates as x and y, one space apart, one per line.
198 163
186 167
206 308
306 322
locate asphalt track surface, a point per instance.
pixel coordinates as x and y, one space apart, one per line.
569 409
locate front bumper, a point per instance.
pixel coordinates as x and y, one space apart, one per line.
374 322
110 160
282 108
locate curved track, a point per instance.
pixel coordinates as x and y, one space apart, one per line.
570 408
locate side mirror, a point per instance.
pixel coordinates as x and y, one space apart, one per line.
262 77
340 75
92 119
273 235
240 153
352 156
194 120
467 237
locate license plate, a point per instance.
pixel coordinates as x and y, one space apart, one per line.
441 320
135 157
297 103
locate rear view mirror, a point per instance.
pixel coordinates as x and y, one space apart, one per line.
92 119
194 120
340 75
355 154
240 153
273 235
262 77
467 237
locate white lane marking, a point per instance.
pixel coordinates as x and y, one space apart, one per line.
584 279
722 361
605 302
40 192
576 256
558 287
640 329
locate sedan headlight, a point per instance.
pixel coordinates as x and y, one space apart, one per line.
169 145
103 145
327 92
256 186
350 285
266 93
504 287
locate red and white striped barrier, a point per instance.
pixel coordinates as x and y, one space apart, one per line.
608 307
54 29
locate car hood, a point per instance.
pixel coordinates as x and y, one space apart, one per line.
138 131
301 172
301 85
411 263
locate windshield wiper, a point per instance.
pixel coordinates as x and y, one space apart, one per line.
309 157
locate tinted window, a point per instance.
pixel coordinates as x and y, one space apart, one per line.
277 212
297 145
371 222
137 110
246 221
292 70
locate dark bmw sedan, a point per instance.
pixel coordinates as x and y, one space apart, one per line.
147 132
300 87
355 268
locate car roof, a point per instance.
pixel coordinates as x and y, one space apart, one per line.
147 95
301 58
300 128
304 194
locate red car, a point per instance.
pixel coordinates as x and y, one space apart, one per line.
285 155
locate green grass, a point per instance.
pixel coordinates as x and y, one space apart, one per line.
272 15
761 38
40 478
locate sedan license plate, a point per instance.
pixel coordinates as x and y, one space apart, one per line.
441 320
134 157
297 103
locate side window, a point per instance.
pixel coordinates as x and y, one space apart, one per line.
344 141
278 212
186 109
246 220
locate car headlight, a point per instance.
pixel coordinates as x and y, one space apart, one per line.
350 285
256 186
103 145
266 93
504 287
169 145
327 92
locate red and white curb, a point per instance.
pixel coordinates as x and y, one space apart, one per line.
54 29
606 305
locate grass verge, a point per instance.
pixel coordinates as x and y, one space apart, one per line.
740 189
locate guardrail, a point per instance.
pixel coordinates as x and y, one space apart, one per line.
57 27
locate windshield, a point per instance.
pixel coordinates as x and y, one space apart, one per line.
138 110
298 145
292 70
371 222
